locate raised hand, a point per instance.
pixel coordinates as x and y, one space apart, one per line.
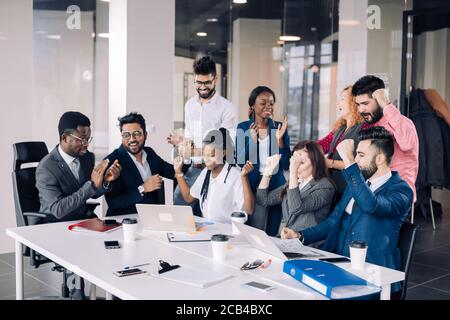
178 164
254 132
98 172
346 149
246 169
113 172
174 138
382 97
281 130
153 183
272 164
294 162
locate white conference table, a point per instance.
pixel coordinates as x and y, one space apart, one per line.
85 255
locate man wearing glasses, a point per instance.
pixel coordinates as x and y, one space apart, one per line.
68 176
143 169
207 110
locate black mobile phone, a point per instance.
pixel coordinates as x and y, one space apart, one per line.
128 272
112 245
108 222
335 260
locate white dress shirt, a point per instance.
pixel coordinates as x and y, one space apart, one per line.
223 197
144 167
263 153
304 182
69 160
216 113
375 184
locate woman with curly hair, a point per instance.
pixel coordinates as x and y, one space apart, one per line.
347 126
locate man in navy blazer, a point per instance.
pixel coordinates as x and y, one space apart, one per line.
373 207
142 169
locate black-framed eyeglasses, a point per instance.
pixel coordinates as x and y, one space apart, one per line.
203 83
82 140
136 134
252 265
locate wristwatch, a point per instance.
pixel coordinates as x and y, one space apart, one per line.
141 189
300 237
179 175
92 185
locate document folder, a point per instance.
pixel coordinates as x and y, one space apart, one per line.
329 279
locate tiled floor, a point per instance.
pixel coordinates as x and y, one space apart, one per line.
40 283
429 276
430 271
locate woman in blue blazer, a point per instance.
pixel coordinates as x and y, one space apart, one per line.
257 139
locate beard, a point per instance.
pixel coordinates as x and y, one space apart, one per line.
208 94
374 116
370 170
134 147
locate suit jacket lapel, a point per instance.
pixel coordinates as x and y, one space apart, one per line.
66 173
129 166
151 162
358 212
332 238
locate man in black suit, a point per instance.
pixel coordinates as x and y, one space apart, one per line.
143 169
67 177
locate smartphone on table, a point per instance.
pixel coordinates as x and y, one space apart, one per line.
112 245
335 260
258 286
128 272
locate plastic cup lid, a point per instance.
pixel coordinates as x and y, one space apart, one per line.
129 221
219 237
238 215
358 244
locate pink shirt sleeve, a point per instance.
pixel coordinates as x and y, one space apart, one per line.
401 127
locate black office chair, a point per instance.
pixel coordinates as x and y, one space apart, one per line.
406 242
26 198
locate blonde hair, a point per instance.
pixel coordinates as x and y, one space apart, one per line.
355 116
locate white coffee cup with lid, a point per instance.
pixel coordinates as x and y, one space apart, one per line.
238 217
358 251
129 227
219 243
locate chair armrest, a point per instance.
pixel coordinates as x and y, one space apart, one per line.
36 214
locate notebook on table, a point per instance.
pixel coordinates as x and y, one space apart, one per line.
94 226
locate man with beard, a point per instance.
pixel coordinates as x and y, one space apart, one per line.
373 104
373 207
67 177
143 169
207 110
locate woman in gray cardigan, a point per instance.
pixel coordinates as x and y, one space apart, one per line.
308 196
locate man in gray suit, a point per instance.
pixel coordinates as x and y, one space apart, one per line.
67 177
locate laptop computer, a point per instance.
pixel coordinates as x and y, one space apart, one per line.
166 217
261 241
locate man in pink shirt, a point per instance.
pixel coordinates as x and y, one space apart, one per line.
374 105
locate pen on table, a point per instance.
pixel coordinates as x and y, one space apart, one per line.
139 265
266 264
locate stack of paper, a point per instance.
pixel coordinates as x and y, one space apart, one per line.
295 246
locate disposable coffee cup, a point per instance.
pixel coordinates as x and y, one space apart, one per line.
358 251
238 217
219 243
129 227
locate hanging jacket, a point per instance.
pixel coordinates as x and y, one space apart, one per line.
434 139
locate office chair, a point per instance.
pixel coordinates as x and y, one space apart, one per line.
26 198
406 242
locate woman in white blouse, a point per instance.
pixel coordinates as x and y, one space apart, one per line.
221 187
